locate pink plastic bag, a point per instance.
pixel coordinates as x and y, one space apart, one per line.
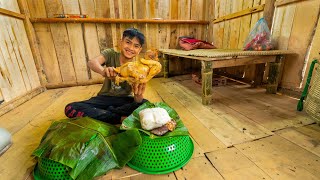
259 38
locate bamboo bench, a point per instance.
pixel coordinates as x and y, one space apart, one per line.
218 58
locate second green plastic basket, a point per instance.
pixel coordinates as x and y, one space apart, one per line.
162 155
50 170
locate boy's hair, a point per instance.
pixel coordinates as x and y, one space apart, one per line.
133 32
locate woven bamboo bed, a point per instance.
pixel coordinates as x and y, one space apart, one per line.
218 53
217 58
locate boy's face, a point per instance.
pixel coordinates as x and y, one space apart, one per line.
130 47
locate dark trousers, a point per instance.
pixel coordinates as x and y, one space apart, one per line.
104 108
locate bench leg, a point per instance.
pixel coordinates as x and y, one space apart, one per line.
259 70
165 66
274 75
206 71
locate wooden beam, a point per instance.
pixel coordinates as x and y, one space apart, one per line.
72 83
285 2
239 14
268 12
111 20
242 61
8 106
12 14
32 41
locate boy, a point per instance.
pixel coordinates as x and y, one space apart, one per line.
113 103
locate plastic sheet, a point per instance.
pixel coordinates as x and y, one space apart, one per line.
259 38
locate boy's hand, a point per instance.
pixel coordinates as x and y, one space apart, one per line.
138 91
109 72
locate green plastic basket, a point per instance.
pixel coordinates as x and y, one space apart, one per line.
162 155
50 170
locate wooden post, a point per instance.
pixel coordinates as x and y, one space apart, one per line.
268 12
165 66
274 75
259 71
206 72
32 41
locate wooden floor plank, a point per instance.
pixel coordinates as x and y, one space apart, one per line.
16 119
282 159
223 130
291 153
198 168
170 176
197 130
232 164
304 137
236 119
269 116
283 106
18 157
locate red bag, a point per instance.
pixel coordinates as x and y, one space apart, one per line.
188 43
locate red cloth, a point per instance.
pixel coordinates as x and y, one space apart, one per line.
187 43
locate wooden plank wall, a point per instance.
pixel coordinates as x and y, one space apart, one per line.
296 27
231 34
18 73
66 47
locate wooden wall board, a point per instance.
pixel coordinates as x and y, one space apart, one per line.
114 13
47 51
26 54
197 12
139 14
90 34
209 15
197 130
75 36
32 41
184 12
102 10
245 24
249 70
226 33
306 137
218 29
232 164
234 35
164 29
22 49
287 162
28 138
14 76
61 41
235 25
13 37
6 93
198 168
152 33
314 53
299 41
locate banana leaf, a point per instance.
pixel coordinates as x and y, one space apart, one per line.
88 147
133 121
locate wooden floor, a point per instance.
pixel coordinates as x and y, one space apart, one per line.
244 134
